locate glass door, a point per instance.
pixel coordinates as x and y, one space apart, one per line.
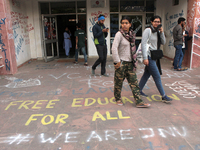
50 38
138 25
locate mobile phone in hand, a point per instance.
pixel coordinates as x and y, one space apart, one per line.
159 26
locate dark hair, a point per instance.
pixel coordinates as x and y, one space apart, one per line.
101 15
78 25
180 20
156 17
126 18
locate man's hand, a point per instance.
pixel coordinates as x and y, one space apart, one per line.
76 46
105 30
146 62
117 65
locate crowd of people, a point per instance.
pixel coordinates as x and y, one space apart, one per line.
124 54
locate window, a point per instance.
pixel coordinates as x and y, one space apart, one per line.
132 6
148 18
136 21
150 6
81 6
114 5
114 24
175 2
63 7
44 7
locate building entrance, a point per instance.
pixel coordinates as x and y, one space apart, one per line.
54 27
66 14
50 37
64 21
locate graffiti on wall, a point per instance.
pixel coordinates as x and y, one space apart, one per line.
171 22
197 19
94 18
191 14
21 29
16 3
2 45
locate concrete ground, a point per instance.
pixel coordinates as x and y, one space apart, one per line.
59 105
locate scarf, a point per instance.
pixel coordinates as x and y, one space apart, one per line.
158 35
130 36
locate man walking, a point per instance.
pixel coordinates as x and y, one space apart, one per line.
178 43
100 32
80 43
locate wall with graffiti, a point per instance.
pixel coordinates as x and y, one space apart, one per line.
170 15
193 22
21 29
7 55
93 11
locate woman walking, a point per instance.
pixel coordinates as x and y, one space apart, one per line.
123 49
151 39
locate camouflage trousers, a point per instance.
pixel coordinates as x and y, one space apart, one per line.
126 71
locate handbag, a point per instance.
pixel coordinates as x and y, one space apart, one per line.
156 54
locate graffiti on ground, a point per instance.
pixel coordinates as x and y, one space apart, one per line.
20 83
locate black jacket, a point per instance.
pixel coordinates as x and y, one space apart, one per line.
99 35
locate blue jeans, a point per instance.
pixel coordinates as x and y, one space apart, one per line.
152 69
178 57
83 51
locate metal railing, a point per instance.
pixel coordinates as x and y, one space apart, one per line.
192 51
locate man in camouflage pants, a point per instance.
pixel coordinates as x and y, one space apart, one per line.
126 71
123 50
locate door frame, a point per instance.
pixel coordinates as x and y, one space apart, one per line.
52 41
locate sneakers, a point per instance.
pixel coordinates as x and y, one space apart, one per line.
105 75
143 105
181 69
142 94
85 64
75 62
166 99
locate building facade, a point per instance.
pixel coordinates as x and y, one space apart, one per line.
33 29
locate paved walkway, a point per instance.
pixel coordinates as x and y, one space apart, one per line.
59 105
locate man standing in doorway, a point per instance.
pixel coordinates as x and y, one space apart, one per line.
67 41
80 43
100 32
178 43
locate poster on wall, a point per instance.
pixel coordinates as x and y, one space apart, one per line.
97 3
